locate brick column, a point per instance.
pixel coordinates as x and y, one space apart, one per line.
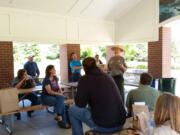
6 64
65 52
159 55
109 53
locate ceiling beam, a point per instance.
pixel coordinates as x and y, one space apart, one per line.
86 6
72 6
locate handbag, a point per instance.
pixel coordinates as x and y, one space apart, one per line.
141 119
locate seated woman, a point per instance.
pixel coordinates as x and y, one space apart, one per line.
167 115
52 95
23 81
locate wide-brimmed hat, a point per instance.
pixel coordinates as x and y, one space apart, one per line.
30 56
117 47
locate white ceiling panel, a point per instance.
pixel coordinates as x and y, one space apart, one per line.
106 9
109 9
52 6
79 7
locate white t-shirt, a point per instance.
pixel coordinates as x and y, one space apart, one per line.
165 129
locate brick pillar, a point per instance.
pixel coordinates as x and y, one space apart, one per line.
6 64
65 52
159 55
109 53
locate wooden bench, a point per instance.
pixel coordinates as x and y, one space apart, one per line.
121 132
10 127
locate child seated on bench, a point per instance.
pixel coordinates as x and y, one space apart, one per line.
23 81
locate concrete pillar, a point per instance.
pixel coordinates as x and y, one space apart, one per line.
109 53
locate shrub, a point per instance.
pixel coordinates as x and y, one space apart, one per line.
141 67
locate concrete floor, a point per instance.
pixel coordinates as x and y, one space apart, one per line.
41 123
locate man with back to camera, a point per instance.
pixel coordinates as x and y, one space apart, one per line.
106 112
144 93
32 69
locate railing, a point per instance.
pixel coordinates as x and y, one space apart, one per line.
132 78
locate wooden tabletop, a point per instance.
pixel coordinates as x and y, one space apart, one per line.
39 88
25 91
71 84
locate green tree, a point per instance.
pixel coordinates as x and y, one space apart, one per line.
32 50
86 53
103 50
130 53
174 53
141 52
136 52
54 53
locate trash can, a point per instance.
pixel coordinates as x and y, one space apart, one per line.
167 85
155 83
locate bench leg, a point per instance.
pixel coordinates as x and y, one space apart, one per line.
2 120
10 127
72 92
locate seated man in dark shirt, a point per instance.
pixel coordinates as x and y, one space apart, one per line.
106 112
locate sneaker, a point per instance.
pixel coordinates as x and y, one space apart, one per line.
89 132
58 118
62 125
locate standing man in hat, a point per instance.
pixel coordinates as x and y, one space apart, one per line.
117 67
31 67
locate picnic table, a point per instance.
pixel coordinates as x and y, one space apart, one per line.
10 115
73 86
39 89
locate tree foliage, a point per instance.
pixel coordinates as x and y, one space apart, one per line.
32 50
22 52
175 56
86 53
53 53
103 50
136 52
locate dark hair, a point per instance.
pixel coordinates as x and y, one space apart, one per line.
146 78
72 54
20 73
89 63
48 69
96 55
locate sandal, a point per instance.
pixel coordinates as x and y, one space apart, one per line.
58 118
62 125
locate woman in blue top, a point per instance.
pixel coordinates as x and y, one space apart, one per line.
76 67
52 95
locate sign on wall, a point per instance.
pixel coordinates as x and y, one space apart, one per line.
169 9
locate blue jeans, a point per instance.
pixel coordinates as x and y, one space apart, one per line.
75 77
32 97
58 103
78 115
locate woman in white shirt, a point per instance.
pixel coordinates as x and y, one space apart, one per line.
167 115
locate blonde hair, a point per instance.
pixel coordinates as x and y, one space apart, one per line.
167 108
